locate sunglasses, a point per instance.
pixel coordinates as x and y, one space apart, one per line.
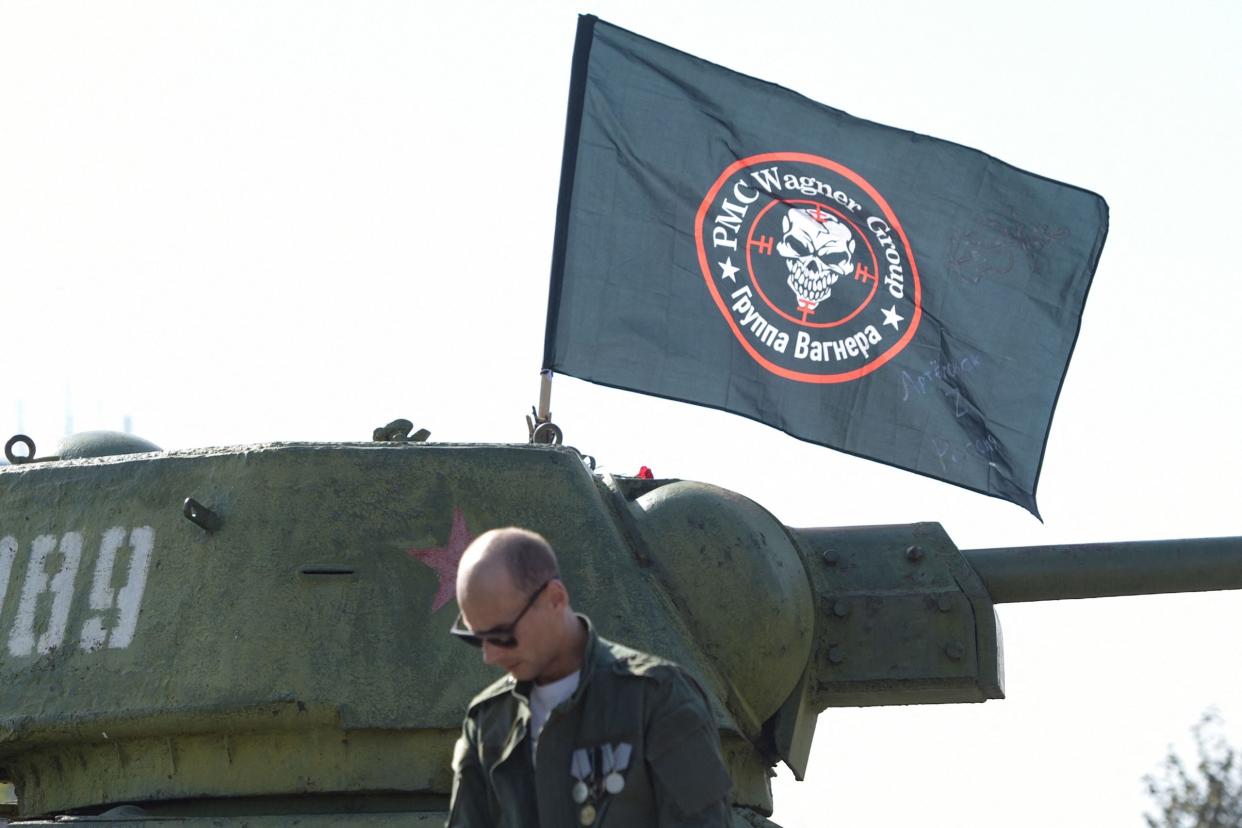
501 636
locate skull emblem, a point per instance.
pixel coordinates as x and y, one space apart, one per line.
818 249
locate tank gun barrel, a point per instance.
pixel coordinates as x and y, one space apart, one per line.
1100 570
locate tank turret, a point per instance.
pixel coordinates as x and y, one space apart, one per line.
243 634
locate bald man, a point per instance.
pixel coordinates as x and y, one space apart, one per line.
580 731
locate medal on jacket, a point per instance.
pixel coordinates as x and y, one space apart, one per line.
582 769
598 772
616 760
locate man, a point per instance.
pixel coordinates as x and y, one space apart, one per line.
581 731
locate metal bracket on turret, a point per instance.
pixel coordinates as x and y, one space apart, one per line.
539 423
542 430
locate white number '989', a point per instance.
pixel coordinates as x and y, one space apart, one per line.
41 587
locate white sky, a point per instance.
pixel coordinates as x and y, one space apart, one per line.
240 221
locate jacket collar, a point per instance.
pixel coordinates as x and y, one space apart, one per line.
596 656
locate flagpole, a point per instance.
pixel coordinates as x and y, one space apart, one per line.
545 396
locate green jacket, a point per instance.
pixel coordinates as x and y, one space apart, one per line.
675 775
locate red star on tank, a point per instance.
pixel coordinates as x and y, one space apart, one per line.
444 559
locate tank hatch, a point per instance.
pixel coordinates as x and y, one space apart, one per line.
103 444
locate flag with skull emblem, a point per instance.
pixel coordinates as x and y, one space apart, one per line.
727 242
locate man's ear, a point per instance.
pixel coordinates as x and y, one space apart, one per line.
559 595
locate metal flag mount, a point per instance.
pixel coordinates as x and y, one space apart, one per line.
539 423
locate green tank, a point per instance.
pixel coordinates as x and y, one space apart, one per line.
258 635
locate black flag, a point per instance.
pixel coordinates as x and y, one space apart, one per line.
727 242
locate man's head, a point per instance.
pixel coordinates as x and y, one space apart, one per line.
508 582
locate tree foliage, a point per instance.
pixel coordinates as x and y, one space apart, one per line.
1207 795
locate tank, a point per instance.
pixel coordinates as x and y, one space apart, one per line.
258 635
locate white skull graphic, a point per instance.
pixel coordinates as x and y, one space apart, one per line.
818 249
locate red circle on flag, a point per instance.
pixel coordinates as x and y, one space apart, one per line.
819 210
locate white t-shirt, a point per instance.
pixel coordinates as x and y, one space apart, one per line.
544 699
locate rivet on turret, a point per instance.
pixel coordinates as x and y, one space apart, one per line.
835 654
831 558
944 603
914 553
840 609
954 650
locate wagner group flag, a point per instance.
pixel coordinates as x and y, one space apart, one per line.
727 242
